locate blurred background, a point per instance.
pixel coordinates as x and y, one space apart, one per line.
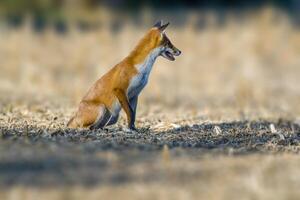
220 122
236 54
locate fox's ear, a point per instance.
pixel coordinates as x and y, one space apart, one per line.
158 24
163 27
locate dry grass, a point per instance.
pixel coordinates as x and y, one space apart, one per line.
244 73
238 65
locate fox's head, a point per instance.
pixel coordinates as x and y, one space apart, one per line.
155 42
167 49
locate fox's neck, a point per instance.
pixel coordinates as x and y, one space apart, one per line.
145 49
139 80
145 65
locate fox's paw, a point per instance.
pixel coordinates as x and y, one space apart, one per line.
130 130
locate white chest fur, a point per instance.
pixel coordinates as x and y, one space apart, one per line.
139 81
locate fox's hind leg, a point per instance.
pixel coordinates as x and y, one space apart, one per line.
103 118
87 114
112 120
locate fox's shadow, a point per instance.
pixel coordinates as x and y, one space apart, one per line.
69 156
247 135
235 135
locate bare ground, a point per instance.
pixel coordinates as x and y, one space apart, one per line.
180 159
221 122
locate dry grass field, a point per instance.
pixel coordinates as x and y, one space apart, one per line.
221 122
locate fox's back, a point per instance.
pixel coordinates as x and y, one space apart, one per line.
100 88
118 77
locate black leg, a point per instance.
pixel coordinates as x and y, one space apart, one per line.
113 120
101 122
133 104
123 99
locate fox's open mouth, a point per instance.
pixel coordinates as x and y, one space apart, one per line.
168 55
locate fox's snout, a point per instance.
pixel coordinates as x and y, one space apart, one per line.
176 51
170 52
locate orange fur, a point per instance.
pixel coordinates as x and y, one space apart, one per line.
102 92
112 87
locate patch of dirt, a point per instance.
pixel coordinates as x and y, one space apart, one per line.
66 157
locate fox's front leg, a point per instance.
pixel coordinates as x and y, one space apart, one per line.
133 103
123 99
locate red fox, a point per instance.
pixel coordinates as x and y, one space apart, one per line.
120 87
